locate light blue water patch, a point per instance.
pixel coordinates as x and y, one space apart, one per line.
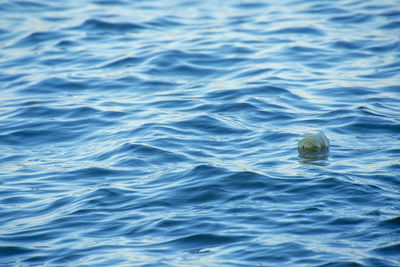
165 133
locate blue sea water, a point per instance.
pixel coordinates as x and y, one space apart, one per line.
164 133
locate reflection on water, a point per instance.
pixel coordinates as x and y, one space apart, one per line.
316 156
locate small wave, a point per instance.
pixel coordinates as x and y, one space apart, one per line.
298 30
140 155
201 241
347 45
353 18
392 25
386 47
165 22
394 168
124 62
23 6
97 25
210 125
389 250
54 85
36 38
8 252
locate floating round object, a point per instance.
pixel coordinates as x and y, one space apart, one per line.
315 141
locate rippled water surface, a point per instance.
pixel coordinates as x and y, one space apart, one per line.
165 133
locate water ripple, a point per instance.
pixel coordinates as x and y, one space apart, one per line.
165 133
112 27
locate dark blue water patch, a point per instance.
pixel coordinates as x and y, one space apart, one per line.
251 5
42 131
198 195
391 67
338 116
347 45
56 62
225 95
342 263
379 262
324 9
377 6
129 80
207 124
18 62
93 176
298 30
200 241
94 172
370 112
391 13
305 54
239 20
82 112
152 85
384 48
198 174
3 32
172 63
353 18
392 223
30 137
319 66
233 108
234 49
242 181
101 26
33 39
391 26
17 200
66 44
8 36
378 74
23 6
395 167
184 70
390 251
276 137
10 253
102 199
54 85
13 158
35 110
29 237
143 155
109 3
250 90
343 92
6 78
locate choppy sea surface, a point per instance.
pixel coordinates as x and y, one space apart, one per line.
164 133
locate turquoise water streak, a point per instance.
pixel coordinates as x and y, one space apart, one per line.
165 133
